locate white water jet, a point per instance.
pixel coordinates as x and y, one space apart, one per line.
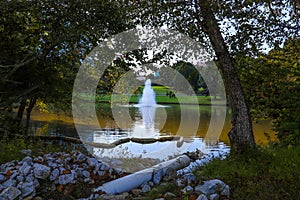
147 107
148 97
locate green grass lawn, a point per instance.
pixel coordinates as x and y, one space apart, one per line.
161 98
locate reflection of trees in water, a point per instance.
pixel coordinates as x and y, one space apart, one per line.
206 113
53 127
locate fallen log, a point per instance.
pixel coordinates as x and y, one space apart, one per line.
136 140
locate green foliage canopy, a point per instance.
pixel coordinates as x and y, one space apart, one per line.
272 86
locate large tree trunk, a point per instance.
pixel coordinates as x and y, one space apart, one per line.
21 112
28 114
241 135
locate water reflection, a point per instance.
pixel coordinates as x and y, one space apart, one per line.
128 143
136 155
148 114
147 142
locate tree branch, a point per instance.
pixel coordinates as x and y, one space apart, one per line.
16 67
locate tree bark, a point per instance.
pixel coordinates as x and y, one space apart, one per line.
241 135
28 114
20 112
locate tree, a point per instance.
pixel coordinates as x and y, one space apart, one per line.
241 134
42 45
190 73
227 28
272 84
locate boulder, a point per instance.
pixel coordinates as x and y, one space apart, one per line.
211 187
188 189
25 168
26 188
189 178
65 179
41 171
81 157
9 182
202 197
86 174
2 177
214 197
146 188
27 159
92 162
10 193
54 174
169 196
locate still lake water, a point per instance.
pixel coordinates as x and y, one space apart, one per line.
165 120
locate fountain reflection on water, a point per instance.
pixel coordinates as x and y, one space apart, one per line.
140 147
147 108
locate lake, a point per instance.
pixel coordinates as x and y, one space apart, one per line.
169 121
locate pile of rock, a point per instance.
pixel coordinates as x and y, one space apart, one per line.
22 179
186 181
32 177
208 190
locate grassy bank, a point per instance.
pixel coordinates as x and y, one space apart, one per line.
162 98
263 174
11 148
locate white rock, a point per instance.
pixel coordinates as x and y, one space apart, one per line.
2 177
86 174
202 197
20 178
25 168
14 175
226 191
54 174
80 157
27 159
210 187
9 182
146 188
169 195
101 173
214 197
52 164
65 179
180 182
36 183
104 167
41 171
187 189
38 159
92 162
10 193
26 188
1 187
189 178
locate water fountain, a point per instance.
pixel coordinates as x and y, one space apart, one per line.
147 108
148 97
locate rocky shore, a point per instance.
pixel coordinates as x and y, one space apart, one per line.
75 175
